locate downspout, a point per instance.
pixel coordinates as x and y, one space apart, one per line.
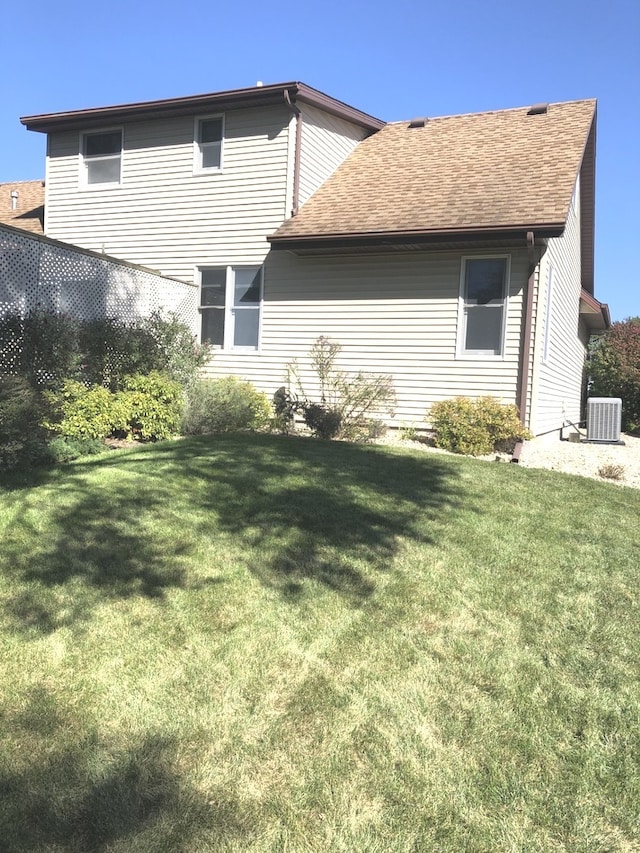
296 156
525 352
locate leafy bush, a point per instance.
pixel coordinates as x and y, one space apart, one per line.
285 407
476 427
22 440
42 347
63 449
346 401
47 348
151 406
225 405
177 353
322 421
111 350
614 369
82 413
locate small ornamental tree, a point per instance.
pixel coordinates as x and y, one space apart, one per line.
614 369
347 401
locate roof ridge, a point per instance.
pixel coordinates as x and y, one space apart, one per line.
496 112
24 181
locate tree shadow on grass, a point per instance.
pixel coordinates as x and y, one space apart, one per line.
73 791
340 523
297 510
93 545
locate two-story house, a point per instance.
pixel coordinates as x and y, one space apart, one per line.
455 254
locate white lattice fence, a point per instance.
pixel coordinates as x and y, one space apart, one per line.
37 272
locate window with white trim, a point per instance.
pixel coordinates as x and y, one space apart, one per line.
101 158
208 145
230 307
483 302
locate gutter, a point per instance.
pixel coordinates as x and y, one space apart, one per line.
525 351
295 204
253 96
590 307
418 236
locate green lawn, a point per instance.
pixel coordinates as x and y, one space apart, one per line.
255 643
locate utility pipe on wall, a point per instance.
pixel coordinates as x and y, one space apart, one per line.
296 156
526 334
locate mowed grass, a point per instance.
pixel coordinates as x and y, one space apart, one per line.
255 643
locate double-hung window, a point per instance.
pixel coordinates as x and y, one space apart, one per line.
483 303
101 158
208 146
230 305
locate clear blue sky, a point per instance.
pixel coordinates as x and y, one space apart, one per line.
394 60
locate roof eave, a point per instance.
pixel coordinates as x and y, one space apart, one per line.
588 207
198 104
595 314
377 239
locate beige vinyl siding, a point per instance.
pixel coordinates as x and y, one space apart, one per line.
558 381
326 141
165 216
394 314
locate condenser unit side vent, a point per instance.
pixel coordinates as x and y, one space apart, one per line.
604 419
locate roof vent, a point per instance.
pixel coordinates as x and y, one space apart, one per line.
538 110
418 122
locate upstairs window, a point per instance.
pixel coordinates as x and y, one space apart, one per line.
102 157
209 136
483 299
230 306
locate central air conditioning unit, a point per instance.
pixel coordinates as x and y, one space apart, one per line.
604 419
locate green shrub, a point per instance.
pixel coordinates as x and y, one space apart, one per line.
177 352
285 407
47 348
151 405
322 421
476 427
22 440
111 350
64 449
42 347
225 405
82 413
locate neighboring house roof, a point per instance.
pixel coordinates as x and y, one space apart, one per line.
259 95
478 175
22 205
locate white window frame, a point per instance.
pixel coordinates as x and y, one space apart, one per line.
230 308
85 160
461 351
198 168
548 314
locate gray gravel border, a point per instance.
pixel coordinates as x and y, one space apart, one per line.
587 459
